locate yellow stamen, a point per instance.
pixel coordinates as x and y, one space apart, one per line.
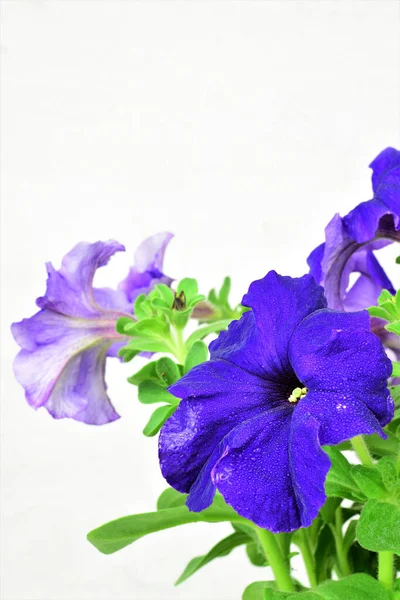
297 394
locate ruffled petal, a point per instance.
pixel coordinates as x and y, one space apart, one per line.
336 352
272 470
341 416
259 343
61 365
314 261
309 465
362 222
369 285
110 299
386 178
147 270
216 397
69 290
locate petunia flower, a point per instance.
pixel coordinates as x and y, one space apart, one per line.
64 346
350 241
287 378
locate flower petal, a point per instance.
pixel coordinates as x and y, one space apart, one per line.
110 299
336 352
386 178
362 222
147 270
61 365
273 471
216 396
69 290
258 342
369 285
341 416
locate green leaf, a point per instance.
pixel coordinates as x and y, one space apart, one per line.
396 369
189 287
202 332
127 354
354 587
379 527
115 535
223 548
148 372
394 327
362 561
256 590
350 536
378 311
170 498
151 392
124 324
369 480
157 420
165 293
160 304
380 447
195 300
225 291
270 594
255 554
339 481
387 467
197 354
153 327
141 307
167 370
328 510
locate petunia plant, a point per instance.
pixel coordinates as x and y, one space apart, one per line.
279 416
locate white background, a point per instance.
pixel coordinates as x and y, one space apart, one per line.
240 126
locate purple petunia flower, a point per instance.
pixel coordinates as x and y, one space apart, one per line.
286 378
64 346
350 241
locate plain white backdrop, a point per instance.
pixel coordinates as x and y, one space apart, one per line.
240 126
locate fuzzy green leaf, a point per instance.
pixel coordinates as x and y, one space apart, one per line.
202 332
197 354
167 371
223 548
157 420
339 481
115 535
369 480
379 527
151 392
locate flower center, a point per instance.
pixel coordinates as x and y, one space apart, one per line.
297 394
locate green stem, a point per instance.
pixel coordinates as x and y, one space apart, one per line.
180 348
385 569
337 531
362 451
275 559
306 552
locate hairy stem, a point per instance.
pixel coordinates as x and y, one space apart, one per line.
275 559
180 348
306 552
362 451
341 555
385 569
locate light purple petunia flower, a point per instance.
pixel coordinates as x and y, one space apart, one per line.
64 346
350 241
287 378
